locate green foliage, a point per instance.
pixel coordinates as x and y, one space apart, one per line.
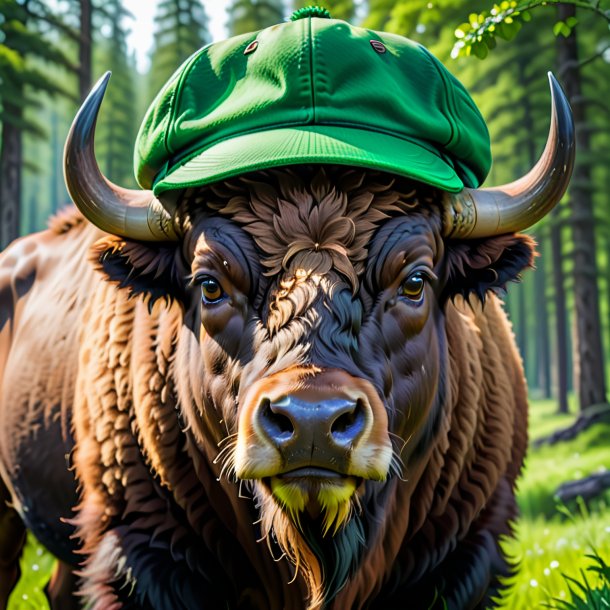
478 35
564 27
181 28
428 22
252 15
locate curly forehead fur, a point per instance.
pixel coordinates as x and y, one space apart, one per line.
313 219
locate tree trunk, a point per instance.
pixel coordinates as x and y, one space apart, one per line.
589 488
591 385
55 163
84 51
608 285
542 323
597 414
522 326
541 345
11 154
32 226
560 314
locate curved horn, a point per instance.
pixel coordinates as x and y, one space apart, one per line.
516 206
123 212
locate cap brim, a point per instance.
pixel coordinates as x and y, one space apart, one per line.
311 144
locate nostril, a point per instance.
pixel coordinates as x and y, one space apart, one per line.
344 422
349 425
278 426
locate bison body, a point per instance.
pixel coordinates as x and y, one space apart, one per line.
171 426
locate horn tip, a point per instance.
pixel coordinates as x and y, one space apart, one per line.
556 89
557 92
101 84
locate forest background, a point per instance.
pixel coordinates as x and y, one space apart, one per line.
51 51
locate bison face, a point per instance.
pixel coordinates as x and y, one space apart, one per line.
319 306
312 361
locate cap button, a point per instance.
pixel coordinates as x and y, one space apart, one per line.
310 11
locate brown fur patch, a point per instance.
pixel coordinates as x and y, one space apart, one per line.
65 219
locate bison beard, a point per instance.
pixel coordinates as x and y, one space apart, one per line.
183 501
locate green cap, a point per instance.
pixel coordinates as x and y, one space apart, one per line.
312 90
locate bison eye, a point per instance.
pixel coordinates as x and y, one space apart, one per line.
413 287
211 291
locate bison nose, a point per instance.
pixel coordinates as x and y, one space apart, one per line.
304 430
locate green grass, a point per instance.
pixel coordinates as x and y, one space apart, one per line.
585 595
548 546
36 567
550 465
544 419
547 549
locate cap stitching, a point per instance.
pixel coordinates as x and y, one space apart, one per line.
194 150
311 72
442 185
433 62
173 103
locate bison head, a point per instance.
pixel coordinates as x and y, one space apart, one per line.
312 358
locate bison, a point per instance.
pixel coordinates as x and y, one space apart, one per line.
289 387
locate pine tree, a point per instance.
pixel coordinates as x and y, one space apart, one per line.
118 122
592 386
181 28
26 50
86 9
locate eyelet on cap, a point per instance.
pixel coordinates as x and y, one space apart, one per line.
378 46
251 47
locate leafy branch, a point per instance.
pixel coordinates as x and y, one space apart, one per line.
478 35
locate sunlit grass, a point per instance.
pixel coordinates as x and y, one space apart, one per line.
544 419
547 545
547 549
550 465
591 592
36 567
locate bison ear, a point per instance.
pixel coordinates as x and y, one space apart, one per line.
478 265
155 270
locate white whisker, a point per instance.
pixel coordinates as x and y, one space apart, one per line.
227 438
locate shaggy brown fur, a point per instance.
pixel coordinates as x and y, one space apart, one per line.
153 390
